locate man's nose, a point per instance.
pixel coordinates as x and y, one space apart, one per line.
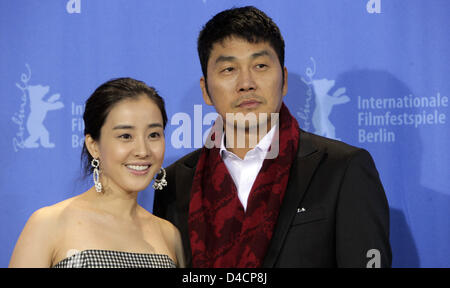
246 81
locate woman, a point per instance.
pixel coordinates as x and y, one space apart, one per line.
105 227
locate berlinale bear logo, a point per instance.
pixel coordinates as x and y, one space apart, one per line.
324 103
38 109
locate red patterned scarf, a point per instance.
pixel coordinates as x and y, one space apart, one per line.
222 234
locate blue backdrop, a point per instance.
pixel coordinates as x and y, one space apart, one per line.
373 73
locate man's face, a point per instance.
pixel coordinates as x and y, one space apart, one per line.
244 77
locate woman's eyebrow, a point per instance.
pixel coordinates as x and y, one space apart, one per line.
126 126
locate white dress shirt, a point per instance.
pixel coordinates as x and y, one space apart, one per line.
244 171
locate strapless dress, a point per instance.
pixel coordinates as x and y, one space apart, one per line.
115 259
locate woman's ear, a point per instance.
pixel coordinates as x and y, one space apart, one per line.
92 146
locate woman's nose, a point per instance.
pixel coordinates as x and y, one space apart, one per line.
141 149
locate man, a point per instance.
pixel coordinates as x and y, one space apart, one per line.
294 199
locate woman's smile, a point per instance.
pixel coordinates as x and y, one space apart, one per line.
138 170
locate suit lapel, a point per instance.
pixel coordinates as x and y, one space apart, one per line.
185 171
302 170
308 159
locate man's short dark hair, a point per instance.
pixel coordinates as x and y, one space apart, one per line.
248 23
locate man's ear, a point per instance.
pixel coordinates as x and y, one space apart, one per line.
92 146
205 94
285 82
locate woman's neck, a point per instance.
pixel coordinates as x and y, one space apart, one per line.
114 201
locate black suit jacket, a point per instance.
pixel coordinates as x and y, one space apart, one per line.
334 212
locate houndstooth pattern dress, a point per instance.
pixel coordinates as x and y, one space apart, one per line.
115 259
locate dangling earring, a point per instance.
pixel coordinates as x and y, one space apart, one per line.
160 183
95 164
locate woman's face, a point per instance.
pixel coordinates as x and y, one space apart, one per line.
131 145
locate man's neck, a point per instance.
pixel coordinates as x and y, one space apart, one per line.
250 140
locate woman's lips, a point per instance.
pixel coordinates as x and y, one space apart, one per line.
138 170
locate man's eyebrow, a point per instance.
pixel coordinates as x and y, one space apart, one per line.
222 58
261 53
124 126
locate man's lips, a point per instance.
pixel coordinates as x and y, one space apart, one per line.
250 103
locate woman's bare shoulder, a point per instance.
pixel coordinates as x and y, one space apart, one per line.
166 227
36 243
53 213
53 217
172 235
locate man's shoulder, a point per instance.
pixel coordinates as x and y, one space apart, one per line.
175 176
190 160
333 148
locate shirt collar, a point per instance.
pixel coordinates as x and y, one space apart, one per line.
261 148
